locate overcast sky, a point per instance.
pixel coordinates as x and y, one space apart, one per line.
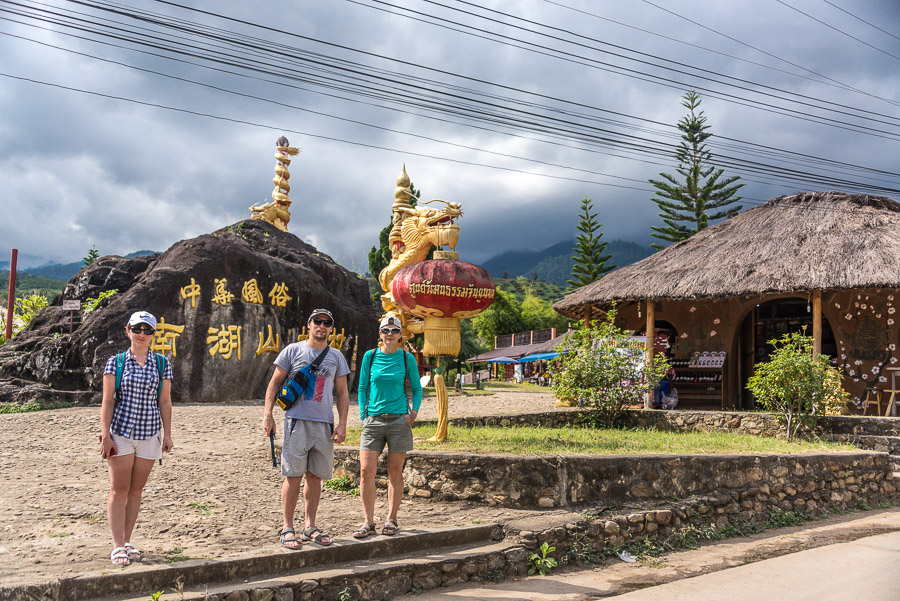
135 133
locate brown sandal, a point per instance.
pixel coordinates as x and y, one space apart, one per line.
391 527
367 529
317 536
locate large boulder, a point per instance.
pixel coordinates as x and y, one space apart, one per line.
226 301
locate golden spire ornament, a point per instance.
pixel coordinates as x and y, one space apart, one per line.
277 212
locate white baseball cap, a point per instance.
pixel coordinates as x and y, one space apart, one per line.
142 317
390 320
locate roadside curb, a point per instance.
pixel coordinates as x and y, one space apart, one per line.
128 580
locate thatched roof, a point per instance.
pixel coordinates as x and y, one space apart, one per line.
809 241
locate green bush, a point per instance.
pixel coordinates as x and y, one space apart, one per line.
91 304
604 371
796 384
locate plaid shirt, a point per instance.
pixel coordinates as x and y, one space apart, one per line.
136 414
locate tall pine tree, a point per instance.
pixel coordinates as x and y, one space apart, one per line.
687 207
590 262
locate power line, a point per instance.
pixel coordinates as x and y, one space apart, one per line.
310 134
756 167
840 31
753 167
824 81
602 65
733 39
846 12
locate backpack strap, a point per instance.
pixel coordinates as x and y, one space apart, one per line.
405 380
369 382
120 369
161 369
321 357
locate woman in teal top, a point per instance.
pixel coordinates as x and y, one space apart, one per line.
387 420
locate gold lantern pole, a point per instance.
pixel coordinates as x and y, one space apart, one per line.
414 231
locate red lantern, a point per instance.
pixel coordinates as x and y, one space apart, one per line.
443 291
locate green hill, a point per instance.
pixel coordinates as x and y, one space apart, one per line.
519 287
554 264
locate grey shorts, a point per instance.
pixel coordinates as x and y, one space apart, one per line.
387 428
307 447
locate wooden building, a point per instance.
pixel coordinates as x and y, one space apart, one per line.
828 261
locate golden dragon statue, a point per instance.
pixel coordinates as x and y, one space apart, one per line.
415 231
276 212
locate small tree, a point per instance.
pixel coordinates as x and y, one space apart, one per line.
603 370
688 207
796 384
91 256
504 316
590 262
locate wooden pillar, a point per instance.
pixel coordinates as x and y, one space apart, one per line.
817 321
587 316
651 336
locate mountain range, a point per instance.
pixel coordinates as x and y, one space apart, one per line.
63 271
554 264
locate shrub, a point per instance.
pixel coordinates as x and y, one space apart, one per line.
91 304
603 370
796 384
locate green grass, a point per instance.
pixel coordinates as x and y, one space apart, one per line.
528 440
176 554
343 484
204 508
31 406
488 388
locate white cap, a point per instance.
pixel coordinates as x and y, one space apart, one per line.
390 320
142 317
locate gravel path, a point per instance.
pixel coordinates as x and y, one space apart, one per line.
215 495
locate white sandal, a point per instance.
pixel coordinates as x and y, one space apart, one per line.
119 553
134 554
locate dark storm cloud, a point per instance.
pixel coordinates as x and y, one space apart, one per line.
127 176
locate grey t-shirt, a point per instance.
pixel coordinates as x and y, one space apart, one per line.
317 404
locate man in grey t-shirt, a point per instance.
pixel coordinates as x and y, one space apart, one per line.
309 432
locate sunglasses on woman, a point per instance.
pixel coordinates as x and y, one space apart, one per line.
390 331
322 322
142 330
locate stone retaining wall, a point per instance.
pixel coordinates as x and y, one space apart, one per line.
773 481
738 422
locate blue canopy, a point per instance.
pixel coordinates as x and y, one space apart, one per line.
539 357
501 360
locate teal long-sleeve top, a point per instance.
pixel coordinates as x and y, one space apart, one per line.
386 382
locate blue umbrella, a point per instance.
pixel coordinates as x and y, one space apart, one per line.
539 357
501 360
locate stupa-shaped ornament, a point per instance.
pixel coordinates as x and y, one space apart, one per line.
277 212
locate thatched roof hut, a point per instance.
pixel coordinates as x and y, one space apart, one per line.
829 261
809 241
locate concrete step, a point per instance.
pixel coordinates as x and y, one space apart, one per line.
253 570
375 578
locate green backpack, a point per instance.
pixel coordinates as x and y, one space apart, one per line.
120 367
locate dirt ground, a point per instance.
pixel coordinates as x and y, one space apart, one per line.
215 495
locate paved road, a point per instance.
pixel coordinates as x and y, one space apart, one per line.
848 558
867 569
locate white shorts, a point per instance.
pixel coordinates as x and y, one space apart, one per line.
150 448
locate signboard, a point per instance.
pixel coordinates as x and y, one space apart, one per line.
71 305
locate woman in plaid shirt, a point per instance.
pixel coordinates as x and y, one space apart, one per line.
134 431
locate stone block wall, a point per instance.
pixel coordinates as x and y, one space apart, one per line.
810 481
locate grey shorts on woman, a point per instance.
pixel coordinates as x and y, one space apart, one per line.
388 428
307 447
